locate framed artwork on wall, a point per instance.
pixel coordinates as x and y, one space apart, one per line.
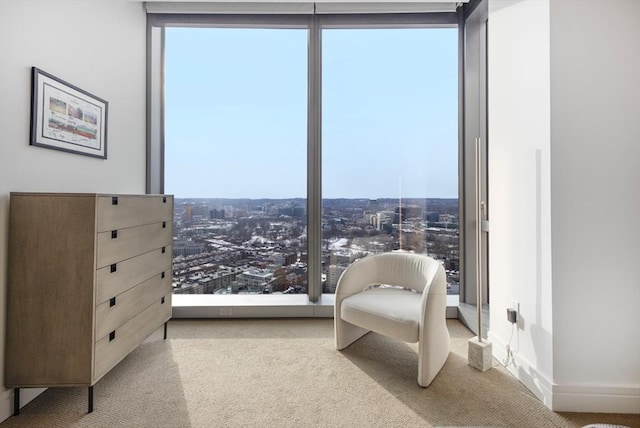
65 117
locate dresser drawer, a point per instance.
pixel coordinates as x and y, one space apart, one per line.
118 212
121 308
119 277
115 346
121 244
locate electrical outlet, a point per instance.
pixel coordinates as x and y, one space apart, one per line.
515 305
513 313
226 312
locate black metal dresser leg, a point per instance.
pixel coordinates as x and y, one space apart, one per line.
90 399
165 329
16 401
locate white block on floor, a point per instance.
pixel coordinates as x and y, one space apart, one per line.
480 354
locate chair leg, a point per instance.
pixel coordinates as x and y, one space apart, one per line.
431 358
347 333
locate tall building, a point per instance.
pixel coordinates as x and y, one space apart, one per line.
217 214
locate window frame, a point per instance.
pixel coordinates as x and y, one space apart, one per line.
314 23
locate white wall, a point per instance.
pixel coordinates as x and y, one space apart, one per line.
595 175
564 169
99 47
519 187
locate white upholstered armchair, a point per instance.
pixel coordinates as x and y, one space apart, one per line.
369 297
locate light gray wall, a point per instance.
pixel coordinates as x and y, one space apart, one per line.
564 165
97 46
595 203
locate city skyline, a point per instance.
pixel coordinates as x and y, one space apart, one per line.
260 246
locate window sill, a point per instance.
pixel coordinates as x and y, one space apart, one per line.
264 306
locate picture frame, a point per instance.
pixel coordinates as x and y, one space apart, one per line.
67 118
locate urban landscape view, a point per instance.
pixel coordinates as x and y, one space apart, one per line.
259 246
239 146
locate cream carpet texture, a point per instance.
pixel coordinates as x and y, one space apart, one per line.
287 373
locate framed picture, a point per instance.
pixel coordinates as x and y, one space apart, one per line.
65 117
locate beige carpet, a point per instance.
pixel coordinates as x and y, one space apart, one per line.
286 373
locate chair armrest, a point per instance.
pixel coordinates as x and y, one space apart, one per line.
434 299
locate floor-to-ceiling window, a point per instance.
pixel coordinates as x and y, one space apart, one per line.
235 158
240 149
389 146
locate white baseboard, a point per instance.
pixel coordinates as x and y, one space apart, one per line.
524 371
565 397
596 399
6 400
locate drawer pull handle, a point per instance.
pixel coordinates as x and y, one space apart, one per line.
162 300
114 234
114 200
164 224
112 301
114 267
164 199
112 335
162 275
164 249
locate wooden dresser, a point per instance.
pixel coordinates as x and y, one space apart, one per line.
89 278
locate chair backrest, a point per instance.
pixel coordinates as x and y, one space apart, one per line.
409 270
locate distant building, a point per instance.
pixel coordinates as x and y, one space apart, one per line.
274 258
223 278
188 288
432 217
335 271
384 218
408 212
292 211
254 280
187 248
448 218
200 210
217 214
290 258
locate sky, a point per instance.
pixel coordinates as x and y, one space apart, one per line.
236 113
